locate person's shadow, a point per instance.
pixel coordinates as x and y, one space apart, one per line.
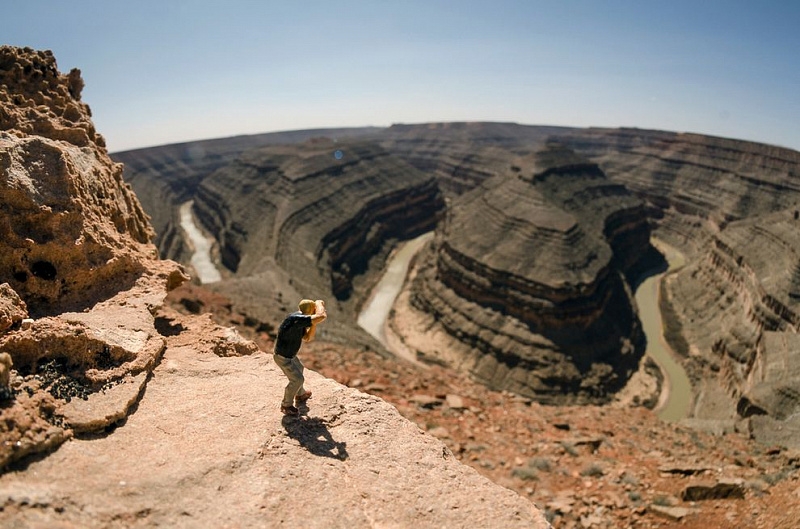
313 435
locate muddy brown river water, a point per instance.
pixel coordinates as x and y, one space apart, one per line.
676 395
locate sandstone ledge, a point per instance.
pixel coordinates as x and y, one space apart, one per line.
208 446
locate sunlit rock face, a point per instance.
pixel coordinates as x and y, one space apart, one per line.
71 231
75 256
527 280
321 207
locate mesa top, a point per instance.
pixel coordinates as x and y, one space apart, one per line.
290 334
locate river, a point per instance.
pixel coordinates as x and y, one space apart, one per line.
374 316
676 393
201 261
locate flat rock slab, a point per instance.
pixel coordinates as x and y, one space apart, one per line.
104 408
208 447
672 513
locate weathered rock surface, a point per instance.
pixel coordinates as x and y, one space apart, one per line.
12 309
527 276
720 489
208 446
75 254
72 231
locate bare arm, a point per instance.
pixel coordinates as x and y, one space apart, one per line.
319 317
310 332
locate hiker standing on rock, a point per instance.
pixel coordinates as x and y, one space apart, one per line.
296 328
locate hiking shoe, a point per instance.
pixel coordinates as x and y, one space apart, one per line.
290 410
302 398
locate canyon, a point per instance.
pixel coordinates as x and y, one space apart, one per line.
729 314
518 314
495 192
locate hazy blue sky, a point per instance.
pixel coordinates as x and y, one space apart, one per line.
167 71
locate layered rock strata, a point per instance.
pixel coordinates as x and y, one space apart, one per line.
462 155
166 176
739 308
527 281
701 182
75 256
732 206
320 210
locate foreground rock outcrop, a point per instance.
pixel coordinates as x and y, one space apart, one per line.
209 447
75 257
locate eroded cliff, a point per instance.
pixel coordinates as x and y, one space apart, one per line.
732 207
527 278
79 278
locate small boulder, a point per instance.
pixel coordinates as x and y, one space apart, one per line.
425 401
455 402
12 308
724 488
672 513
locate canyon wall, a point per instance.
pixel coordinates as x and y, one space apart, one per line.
462 155
165 176
527 278
307 220
732 207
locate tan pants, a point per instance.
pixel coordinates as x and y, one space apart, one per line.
293 369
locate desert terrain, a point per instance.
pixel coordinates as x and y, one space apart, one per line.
139 391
